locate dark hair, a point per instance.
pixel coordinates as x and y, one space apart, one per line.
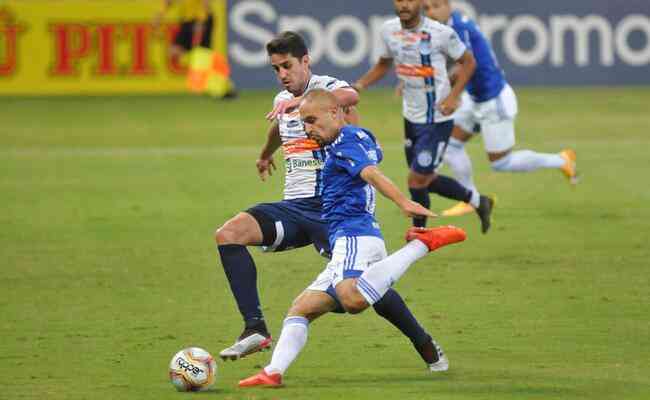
287 43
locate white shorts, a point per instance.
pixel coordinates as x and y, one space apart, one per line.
351 256
495 117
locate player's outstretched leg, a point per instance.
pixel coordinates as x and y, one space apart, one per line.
527 160
380 276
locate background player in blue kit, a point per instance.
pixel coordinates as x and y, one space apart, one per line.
360 272
295 221
488 106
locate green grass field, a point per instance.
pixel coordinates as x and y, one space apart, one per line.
108 263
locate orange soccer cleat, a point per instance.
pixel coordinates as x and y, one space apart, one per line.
569 168
438 237
262 379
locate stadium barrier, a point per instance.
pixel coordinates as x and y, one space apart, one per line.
91 47
555 42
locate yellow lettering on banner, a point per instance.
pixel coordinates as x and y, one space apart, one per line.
92 47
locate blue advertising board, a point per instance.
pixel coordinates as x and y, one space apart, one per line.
555 42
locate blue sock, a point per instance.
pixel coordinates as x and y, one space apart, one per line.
242 276
392 307
450 188
420 196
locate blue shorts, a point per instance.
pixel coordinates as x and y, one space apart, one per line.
289 224
425 144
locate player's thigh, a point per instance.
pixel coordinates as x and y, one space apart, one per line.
419 153
280 225
499 136
409 142
319 235
311 304
351 257
465 118
498 122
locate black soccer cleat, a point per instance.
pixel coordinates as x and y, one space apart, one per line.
433 356
484 211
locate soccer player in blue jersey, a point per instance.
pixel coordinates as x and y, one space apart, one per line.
488 106
360 272
418 48
295 221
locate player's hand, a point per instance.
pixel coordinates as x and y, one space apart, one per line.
449 105
283 107
413 209
264 167
358 87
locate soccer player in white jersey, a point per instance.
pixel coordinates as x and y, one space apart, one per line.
360 272
295 221
420 48
489 106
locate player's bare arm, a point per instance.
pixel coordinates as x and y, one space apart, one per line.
265 164
464 69
378 71
345 97
381 182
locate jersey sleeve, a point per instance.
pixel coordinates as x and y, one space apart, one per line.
355 154
383 50
279 97
330 83
452 45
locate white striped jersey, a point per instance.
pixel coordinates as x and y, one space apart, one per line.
420 56
303 158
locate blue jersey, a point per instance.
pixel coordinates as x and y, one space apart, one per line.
348 200
488 80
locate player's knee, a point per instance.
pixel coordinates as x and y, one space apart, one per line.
418 181
223 236
354 304
229 233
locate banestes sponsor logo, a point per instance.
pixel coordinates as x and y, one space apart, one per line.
299 163
188 366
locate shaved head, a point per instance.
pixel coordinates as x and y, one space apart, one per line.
321 115
319 98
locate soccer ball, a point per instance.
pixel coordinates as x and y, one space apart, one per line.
192 369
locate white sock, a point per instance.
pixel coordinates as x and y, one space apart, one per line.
526 160
292 340
458 161
475 200
376 280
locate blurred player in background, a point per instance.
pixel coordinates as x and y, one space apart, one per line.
196 23
195 29
421 47
297 220
360 272
489 106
